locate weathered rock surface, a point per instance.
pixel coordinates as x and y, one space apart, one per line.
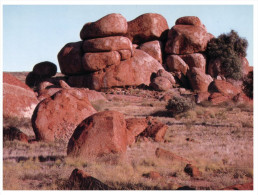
135 126
79 180
45 69
218 98
165 154
224 87
202 96
245 186
147 27
176 64
153 48
192 170
18 99
189 20
105 44
186 39
161 84
70 59
167 75
132 72
98 61
196 60
199 81
56 117
109 25
100 134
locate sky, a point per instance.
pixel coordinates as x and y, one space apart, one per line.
36 33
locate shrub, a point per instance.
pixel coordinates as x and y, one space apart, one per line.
248 85
178 105
229 49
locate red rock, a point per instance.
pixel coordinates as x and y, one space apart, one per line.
18 99
242 98
189 20
107 44
193 171
199 81
245 65
185 39
153 48
155 130
147 27
165 154
167 75
99 61
70 59
245 186
132 72
197 60
44 85
64 85
182 80
56 117
161 84
153 175
176 64
224 87
109 25
100 134
134 127
81 180
12 133
46 93
45 69
218 98
125 54
202 96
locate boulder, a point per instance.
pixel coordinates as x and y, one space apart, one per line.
80 180
245 65
33 80
46 93
153 48
167 75
187 39
147 27
98 61
100 134
56 117
45 69
135 126
242 98
155 130
109 25
64 85
70 59
18 99
107 44
197 60
131 72
224 87
218 98
199 81
161 84
176 64
165 154
189 20
192 170
12 133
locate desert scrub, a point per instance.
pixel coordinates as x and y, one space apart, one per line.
178 105
248 84
228 49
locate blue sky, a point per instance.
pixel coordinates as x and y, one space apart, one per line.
35 33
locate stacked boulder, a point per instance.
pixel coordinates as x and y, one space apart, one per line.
41 72
187 41
106 57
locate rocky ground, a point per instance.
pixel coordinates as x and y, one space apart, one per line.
216 140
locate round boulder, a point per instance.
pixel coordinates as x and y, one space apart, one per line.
45 69
161 84
100 134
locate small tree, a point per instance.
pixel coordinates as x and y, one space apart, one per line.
178 105
229 49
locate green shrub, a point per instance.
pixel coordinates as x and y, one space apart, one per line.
178 105
229 49
248 85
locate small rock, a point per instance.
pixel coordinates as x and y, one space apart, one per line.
192 171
